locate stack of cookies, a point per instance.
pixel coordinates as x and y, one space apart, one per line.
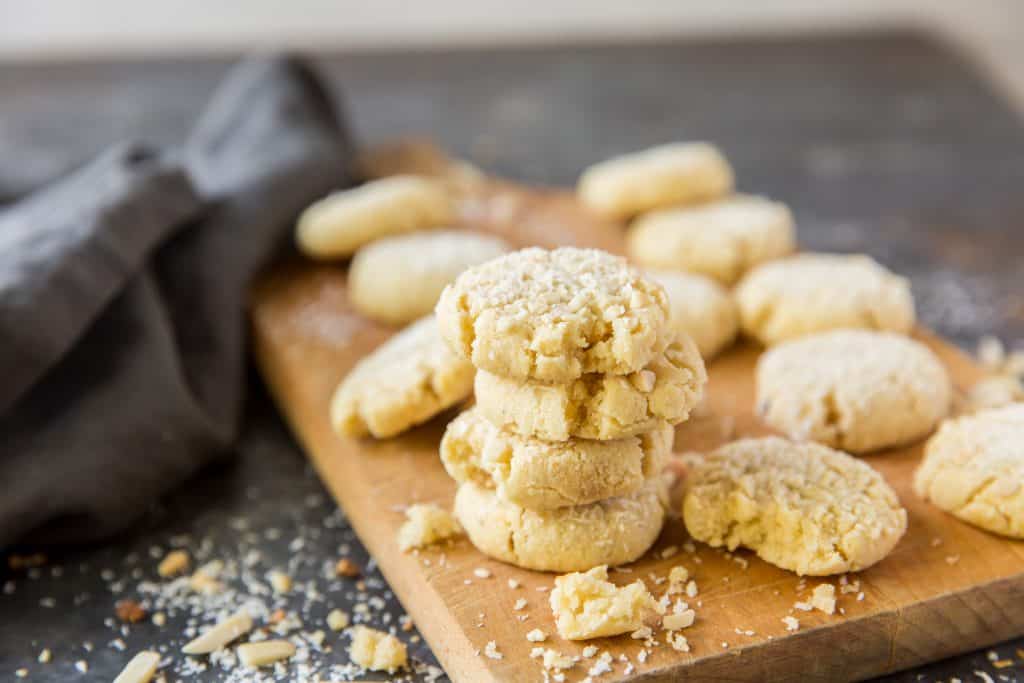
579 383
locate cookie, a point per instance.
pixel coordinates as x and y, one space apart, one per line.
677 173
598 406
335 226
721 239
404 382
544 475
399 279
974 468
853 389
554 315
613 531
701 308
816 292
800 506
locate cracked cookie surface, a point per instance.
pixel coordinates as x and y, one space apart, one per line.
399 279
555 315
721 239
545 475
701 308
613 531
800 506
817 292
853 389
598 406
974 468
405 381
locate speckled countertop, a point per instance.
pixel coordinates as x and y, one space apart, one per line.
887 144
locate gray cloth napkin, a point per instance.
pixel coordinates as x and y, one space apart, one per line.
122 296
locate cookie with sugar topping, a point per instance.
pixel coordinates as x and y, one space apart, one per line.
853 389
811 293
800 506
405 381
554 315
974 468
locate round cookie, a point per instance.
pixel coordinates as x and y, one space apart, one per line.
677 173
554 315
721 239
613 531
974 468
598 406
337 225
405 381
816 292
701 308
399 279
853 389
800 506
543 475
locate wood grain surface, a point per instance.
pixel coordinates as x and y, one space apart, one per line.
947 587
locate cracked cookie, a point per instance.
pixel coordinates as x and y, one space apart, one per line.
613 531
800 506
853 389
700 307
667 175
721 239
554 315
974 468
598 406
544 475
399 279
817 292
405 381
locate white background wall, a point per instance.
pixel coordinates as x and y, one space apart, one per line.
62 29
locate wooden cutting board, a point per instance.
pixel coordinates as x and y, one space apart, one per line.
947 587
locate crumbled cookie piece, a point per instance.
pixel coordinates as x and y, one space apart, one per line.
586 605
823 598
376 650
426 524
174 563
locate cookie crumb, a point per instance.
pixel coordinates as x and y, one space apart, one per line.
536 636
491 650
337 619
347 568
792 623
824 598
175 562
426 524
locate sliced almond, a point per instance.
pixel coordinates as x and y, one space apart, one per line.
140 669
264 652
220 635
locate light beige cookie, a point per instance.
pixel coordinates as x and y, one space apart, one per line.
598 406
613 531
555 315
816 292
721 239
701 308
337 225
399 279
405 381
853 389
974 468
800 506
677 173
544 475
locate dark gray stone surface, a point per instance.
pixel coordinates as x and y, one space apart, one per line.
888 144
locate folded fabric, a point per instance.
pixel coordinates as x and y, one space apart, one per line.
122 295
